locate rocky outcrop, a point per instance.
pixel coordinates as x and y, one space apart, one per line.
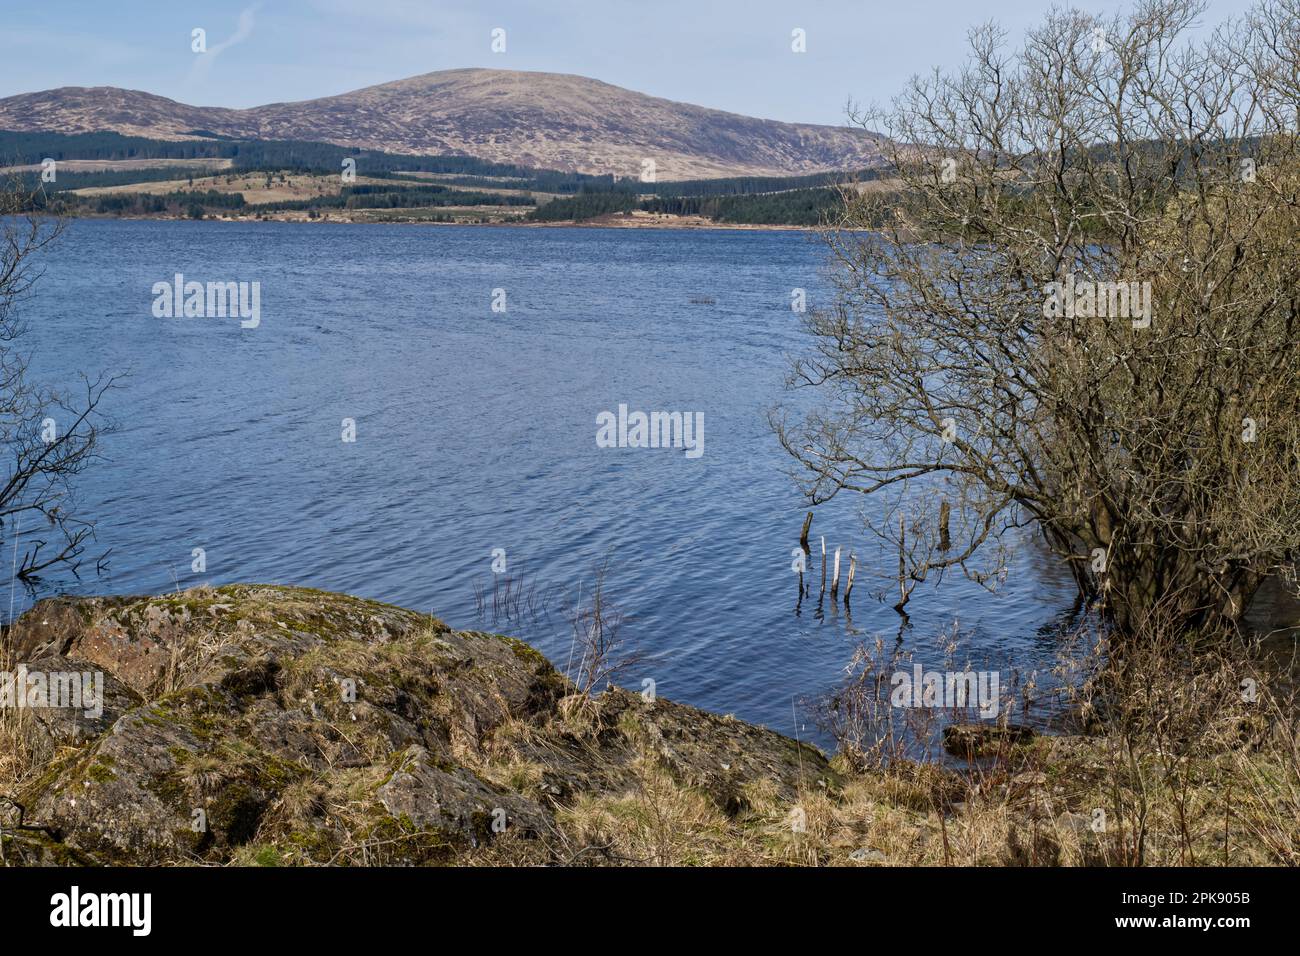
976 741
260 724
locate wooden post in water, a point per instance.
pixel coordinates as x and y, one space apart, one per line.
903 593
823 564
835 577
848 585
945 542
803 535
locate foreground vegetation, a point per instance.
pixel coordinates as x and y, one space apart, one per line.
281 726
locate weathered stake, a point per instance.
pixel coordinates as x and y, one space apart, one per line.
823 564
903 593
945 542
803 535
835 577
848 585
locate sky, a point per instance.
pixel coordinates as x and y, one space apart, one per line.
727 54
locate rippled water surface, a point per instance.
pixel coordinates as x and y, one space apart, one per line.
476 431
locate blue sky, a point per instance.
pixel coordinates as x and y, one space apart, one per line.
727 54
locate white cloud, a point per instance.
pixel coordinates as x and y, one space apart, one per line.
203 61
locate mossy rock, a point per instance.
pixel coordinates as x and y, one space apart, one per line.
274 725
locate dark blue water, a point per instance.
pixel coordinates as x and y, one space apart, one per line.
476 431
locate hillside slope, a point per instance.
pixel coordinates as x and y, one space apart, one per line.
547 120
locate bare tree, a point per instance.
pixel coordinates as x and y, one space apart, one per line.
49 436
1079 312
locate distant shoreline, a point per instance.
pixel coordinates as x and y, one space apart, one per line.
612 221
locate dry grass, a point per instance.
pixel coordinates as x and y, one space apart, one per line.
284 186
23 750
1186 752
1191 757
656 823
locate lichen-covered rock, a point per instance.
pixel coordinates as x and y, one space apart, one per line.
37 848
105 700
275 724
